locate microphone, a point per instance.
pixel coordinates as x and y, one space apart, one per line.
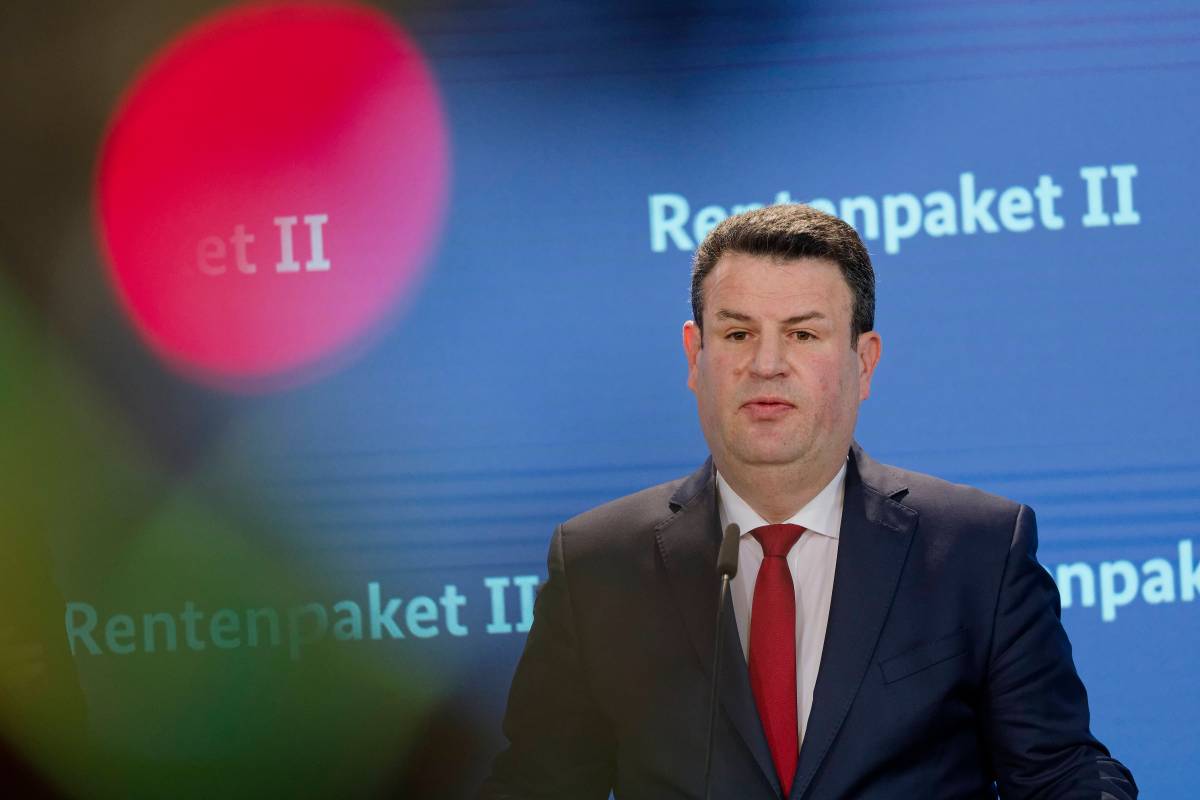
727 565
727 558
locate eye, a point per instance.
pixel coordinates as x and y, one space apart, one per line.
737 336
803 336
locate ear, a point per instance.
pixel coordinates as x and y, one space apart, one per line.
691 349
870 348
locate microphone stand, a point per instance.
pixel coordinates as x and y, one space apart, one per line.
727 563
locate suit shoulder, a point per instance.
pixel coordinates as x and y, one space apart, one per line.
937 499
641 511
956 523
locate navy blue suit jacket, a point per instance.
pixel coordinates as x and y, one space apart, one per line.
945 674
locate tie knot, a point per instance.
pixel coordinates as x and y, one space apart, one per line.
776 540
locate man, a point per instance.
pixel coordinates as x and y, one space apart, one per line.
892 634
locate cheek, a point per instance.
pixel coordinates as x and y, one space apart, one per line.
707 376
827 376
713 393
699 381
852 386
833 384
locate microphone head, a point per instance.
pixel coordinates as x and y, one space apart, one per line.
727 558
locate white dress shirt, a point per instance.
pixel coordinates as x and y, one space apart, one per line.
811 561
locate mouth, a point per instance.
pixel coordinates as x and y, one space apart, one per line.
767 407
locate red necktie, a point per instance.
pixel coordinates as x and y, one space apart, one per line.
773 648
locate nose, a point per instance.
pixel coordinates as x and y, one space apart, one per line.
768 358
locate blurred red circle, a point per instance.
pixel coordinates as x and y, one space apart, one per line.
270 188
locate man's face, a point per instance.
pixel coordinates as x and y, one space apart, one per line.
776 380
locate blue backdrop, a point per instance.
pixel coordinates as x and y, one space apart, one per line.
1022 175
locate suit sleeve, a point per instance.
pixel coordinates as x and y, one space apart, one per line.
1036 708
560 744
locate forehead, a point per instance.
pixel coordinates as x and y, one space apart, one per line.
773 287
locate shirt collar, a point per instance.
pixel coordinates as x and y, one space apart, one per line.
822 514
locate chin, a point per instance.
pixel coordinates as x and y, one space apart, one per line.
768 450
768 457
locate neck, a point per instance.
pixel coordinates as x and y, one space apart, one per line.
777 491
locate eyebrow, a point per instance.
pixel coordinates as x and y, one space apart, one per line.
738 316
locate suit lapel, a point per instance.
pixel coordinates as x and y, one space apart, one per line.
872 548
689 541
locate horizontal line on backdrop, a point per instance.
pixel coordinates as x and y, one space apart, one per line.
591 495
549 519
1053 547
420 23
980 77
669 43
475 475
1044 548
1113 496
1060 526
1055 521
1151 45
344 535
489 566
450 546
346 501
679 470
1075 472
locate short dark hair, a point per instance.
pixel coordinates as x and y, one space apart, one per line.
786 232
